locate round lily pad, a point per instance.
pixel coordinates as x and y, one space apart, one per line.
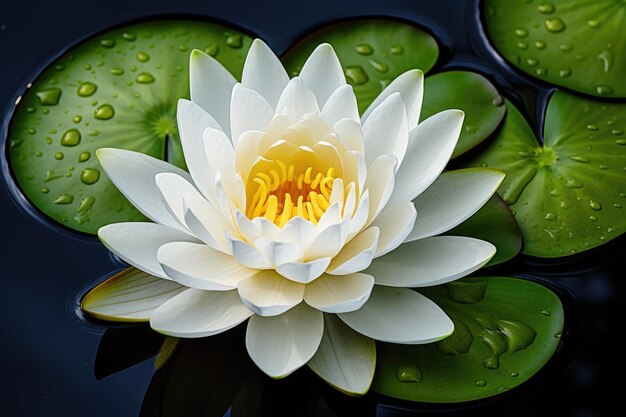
571 43
475 95
496 224
118 89
506 329
568 194
372 51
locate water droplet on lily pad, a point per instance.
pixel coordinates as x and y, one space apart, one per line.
356 75
554 25
84 156
104 112
480 383
64 199
107 43
143 57
546 8
49 97
87 89
409 373
90 176
144 78
234 40
71 138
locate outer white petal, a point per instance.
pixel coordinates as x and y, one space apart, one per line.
380 182
322 73
357 254
453 198
198 266
137 243
172 188
395 223
207 222
220 154
248 255
410 85
341 105
211 85
131 295
339 294
280 345
198 313
345 359
296 100
192 122
350 134
432 261
248 111
264 73
133 174
303 272
400 315
386 131
268 294
430 148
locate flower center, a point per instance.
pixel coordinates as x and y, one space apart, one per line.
284 193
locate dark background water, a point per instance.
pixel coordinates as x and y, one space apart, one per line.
47 353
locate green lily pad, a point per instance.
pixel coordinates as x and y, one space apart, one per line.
119 89
506 329
571 43
495 223
372 51
475 95
568 194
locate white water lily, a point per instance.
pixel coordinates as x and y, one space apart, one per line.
298 215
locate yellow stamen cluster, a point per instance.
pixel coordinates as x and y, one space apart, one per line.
283 194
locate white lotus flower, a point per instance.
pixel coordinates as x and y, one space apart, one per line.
300 216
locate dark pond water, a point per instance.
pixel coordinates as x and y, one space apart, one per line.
50 360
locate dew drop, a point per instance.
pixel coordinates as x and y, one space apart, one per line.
541 71
565 47
356 75
551 216
617 132
603 89
90 176
144 78
607 60
234 41
579 158
564 205
116 71
593 218
554 25
84 156
480 383
70 138
212 50
31 110
546 313
104 112
183 48
593 23
58 156
107 43
592 127
87 89
379 66
133 68
522 45
572 183
621 141
497 100
129 36
558 335
364 49
32 130
514 374
397 50
64 199
409 373
555 192
617 205
565 72
143 57
545 8
49 97
532 61
595 205
540 45
521 32
45 190
77 119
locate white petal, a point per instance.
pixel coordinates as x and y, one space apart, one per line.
298 231
133 174
172 188
219 153
248 111
322 73
395 223
345 359
192 122
341 105
211 85
430 147
339 294
264 73
380 182
131 295
357 254
303 272
278 253
296 100
386 131
198 266
137 243
207 222
400 315
410 85
268 294
198 313
453 198
248 255
361 215
329 241
350 134
280 345
432 261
